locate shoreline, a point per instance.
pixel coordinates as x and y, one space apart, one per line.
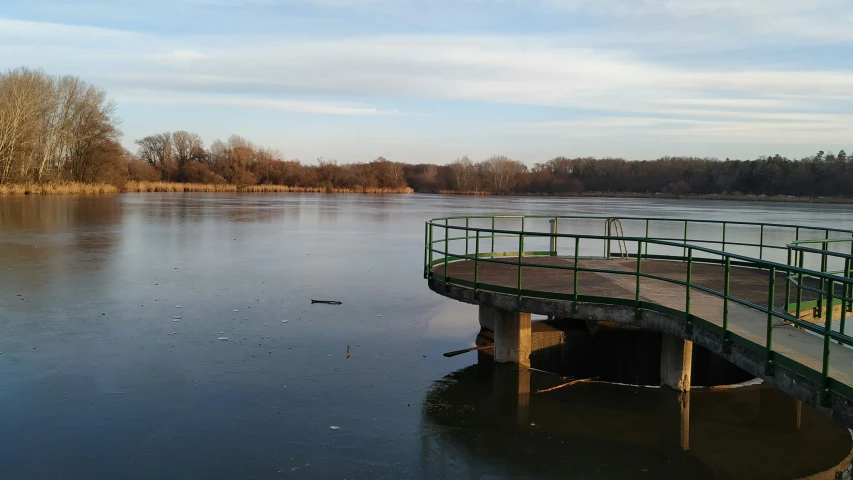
713 196
76 188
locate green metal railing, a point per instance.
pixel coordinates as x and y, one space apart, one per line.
823 286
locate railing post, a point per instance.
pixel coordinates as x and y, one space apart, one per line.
771 303
429 265
493 234
823 268
554 237
845 294
446 258
727 282
426 250
685 239
466 236
608 246
688 326
724 237
477 265
647 237
761 244
520 253
788 282
800 255
639 270
823 397
575 279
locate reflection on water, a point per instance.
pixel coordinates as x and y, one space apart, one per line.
97 380
495 421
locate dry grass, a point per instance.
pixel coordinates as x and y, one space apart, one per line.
287 189
65 188
62 188
463 192
174 187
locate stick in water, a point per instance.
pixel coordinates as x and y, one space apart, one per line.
460 352
327 302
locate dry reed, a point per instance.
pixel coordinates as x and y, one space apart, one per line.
63 188
463 192
174 187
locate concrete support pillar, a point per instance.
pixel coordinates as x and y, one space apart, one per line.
511 393
674 420
512 334
676 356
488 316
684 415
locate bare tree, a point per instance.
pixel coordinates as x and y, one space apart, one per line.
502 173
49 122
187 147
156 149
463 171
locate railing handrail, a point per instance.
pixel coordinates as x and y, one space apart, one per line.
722 253
658 219
793 274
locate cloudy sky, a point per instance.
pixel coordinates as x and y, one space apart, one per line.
431 80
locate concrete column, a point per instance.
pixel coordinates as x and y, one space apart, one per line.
512 334
676 356
488 316
511 393
674 420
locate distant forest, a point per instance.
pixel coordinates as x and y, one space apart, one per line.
60 128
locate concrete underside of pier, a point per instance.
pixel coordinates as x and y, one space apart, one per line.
803 348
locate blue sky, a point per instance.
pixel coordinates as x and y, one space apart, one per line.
432 80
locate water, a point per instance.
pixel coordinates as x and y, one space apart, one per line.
97 380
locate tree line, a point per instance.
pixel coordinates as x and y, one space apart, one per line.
60 128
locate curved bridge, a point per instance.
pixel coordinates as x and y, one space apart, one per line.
772 299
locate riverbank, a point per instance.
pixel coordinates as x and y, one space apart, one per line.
713 196
76 188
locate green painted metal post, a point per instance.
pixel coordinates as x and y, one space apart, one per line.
846 294
493 234
608 246
575 279
429 265
688 327
554 232
788 282
446 258
647 236
800 283
477 265
724 237
639 270
520 253
771 304
685 239
466 236
761 244
823 397
823 268
426 250
727 283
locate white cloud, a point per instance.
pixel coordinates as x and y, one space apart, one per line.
609 81
300 106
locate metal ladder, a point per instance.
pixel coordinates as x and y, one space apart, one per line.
612 225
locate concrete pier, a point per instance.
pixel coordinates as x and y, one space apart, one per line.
512 334
676 358
511 393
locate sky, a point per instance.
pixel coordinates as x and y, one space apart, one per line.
432 80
